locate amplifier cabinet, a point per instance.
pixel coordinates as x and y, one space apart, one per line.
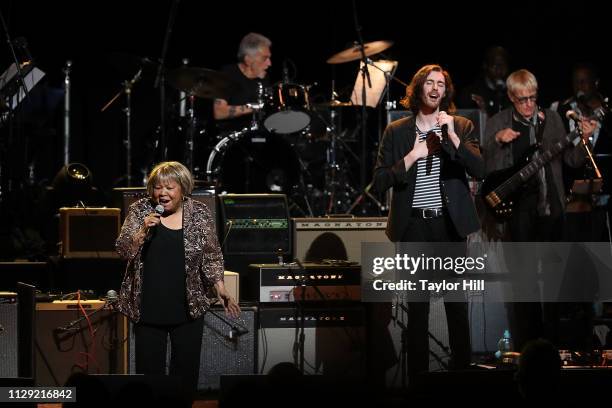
255 224
316 239
65 344
8 334
334 338
229 346
89 232
316 282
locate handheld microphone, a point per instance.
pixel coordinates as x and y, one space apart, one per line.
444 129
159 209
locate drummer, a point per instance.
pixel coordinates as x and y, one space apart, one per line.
254 58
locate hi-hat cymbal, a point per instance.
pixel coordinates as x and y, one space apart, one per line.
354 53
201 82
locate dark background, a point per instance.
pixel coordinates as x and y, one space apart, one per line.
99 37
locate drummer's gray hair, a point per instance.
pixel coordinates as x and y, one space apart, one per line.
250 44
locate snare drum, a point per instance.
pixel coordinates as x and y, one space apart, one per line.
287 109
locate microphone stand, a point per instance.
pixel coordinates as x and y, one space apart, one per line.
300 316
365 76
108 305
236 329
67 85
127 142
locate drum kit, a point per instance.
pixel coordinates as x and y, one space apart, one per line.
278 152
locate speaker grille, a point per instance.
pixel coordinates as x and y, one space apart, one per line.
8 338
222 355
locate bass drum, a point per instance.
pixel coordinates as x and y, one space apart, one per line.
259 162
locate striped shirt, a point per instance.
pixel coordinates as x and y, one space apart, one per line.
427 193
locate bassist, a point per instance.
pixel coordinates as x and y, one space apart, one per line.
539 205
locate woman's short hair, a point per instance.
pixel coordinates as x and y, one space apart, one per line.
521 80
413 99
250 44
171 170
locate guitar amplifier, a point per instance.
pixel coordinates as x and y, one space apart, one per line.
89 232
316 239
8 334
334 338
316 282
255 224
65 343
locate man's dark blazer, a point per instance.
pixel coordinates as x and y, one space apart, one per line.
398 140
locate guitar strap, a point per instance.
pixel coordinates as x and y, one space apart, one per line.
538 130
536 133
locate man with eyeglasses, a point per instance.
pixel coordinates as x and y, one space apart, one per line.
510 137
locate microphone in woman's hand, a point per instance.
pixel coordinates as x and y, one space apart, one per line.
159 209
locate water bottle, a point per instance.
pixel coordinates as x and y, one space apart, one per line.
504 345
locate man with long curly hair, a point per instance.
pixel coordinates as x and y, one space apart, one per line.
424 158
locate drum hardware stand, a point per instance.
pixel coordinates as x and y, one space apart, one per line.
188 112
334 169
190 133
382 207
127 142
304 190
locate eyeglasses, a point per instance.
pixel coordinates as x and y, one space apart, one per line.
524 99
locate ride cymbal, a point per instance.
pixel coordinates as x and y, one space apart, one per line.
354 53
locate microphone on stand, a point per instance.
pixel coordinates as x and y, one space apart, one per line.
111 297
570 114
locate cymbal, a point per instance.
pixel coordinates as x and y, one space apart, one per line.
201 82
354 53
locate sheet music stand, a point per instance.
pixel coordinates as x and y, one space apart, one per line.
10 89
